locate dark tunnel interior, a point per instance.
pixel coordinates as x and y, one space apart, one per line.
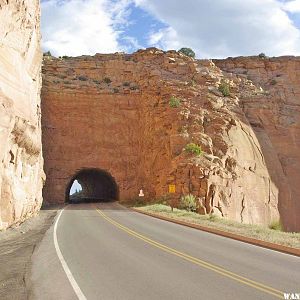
97 186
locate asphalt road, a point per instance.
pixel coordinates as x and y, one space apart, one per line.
105 251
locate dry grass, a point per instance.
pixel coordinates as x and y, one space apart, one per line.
253 231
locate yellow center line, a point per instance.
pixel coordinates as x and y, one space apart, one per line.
197 261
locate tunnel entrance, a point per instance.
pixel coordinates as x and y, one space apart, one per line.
92 185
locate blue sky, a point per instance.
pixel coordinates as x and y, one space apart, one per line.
76 186
212 28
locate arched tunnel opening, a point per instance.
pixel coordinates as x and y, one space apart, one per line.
92 185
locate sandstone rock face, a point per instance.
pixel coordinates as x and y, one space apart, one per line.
21 168
275 119
113 112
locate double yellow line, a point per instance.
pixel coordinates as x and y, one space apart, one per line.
199 262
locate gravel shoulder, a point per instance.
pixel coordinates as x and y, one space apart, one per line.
16 247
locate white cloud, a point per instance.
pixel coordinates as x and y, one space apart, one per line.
225 27
292 6
76 27
129 43
165 38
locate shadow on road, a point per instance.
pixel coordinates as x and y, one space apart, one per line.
112 205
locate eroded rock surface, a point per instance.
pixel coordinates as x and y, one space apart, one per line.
113 112
21 168
275 119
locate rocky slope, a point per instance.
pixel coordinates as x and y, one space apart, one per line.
21 174
113 112
275 119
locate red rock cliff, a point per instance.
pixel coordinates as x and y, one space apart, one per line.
275 119
21 174
113 112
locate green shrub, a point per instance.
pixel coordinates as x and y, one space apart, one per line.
262 55
82 78
224 89
96 81
107 80
126 83
116 90
273 82
188 202
276 225
48 53
194 148
164 199
174 102
188 52
138 201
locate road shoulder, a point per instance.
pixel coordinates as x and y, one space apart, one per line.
16 248
245 239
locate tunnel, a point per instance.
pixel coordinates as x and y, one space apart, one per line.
95 185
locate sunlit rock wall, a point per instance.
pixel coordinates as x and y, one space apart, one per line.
275 119
21 163
113 112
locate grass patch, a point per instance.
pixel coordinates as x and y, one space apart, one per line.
254 231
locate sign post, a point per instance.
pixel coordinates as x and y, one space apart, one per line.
172 190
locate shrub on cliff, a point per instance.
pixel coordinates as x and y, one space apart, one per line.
188 52
107 80
48 53
188 202
193 148
82 78
262 55
224 89
174 102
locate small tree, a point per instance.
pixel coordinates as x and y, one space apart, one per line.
262 55
188 52
48 53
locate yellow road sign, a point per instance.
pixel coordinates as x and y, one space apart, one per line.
172 188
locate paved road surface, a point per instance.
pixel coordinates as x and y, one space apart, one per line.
105 251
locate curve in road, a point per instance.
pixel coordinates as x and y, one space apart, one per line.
110 252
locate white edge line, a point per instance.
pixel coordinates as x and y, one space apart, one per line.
68 272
